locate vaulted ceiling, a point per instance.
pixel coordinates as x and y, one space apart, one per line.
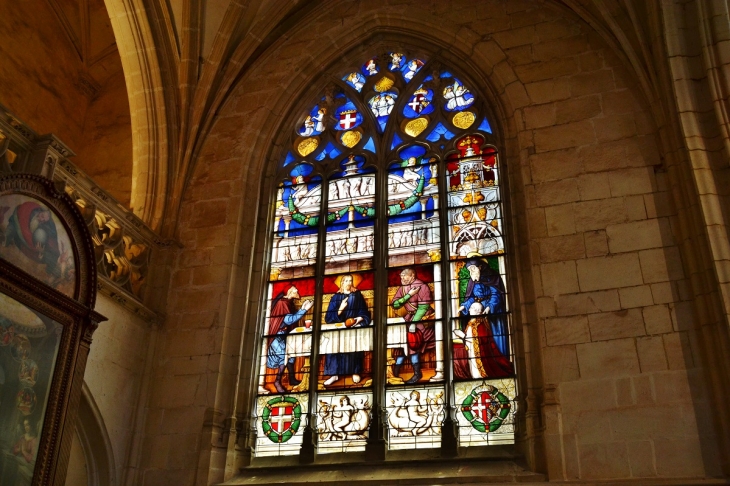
206 46
88 28
200 49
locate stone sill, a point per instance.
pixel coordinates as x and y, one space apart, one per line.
404 457
457 471
494 466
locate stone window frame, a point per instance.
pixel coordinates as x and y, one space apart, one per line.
281 144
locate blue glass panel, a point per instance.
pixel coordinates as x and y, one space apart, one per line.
289 159
412 151
302 170
446 74
396 141
356 80
295 228
410 69
447 134
370 145
347 117
485 126
438 132
332 152
329 151
314 123
457 96
357 220
421 103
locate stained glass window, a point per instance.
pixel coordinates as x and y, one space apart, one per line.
388 282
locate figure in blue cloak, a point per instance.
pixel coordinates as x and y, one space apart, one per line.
485 287
348 306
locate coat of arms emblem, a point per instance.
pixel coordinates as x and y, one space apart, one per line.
347 119
486 408
419 101
281 418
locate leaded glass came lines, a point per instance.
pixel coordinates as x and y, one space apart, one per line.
387 169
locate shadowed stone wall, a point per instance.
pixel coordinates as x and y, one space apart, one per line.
614 386
614 142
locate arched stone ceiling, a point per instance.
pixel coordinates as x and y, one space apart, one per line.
182 58
61 74
86 24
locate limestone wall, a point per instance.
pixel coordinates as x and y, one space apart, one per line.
115 375
615 387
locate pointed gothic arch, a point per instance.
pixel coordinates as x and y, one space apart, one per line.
95 444
147 106
372 137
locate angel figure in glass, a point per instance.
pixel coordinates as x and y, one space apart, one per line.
457 96
413 66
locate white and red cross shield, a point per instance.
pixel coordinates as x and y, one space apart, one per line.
281 417
418 102
347 120
481 407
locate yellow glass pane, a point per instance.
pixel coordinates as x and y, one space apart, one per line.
463 119
307 146
351 138
383 84
415 127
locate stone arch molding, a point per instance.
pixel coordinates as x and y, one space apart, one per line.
142 72
482 63
95 442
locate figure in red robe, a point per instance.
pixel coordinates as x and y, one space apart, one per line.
284 316
481 358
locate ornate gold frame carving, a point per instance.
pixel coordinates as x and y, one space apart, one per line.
75 315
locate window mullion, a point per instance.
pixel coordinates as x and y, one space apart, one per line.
470 347
310 443
377 438
449 429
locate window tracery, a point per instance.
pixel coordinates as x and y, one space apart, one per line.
387 285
